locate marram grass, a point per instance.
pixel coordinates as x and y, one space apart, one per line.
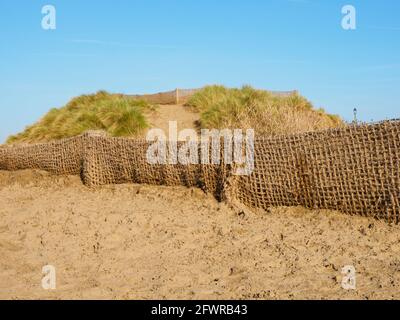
219 108
113 113
266 113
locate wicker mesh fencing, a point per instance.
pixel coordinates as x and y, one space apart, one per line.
355 170
118 160
58 157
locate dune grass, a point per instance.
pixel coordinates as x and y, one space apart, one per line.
219 108
113 113
266 113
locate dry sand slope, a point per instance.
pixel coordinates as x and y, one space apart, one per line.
138 242
184 117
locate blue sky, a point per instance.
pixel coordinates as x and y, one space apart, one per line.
155 45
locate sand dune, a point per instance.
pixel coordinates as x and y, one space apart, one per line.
146 242
184 117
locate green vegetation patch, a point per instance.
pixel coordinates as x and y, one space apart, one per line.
267 113
114 113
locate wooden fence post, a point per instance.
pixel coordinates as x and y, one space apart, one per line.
177 96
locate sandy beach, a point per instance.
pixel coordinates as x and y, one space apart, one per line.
147 242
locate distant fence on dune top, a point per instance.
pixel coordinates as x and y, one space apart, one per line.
178 96
355 169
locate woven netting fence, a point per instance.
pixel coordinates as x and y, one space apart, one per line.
355 169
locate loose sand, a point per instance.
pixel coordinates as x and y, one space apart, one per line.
146 242
184 117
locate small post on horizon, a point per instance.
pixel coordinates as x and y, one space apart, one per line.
177 96
355 116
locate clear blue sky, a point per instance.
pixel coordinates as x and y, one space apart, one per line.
153 45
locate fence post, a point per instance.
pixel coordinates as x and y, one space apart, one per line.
176 96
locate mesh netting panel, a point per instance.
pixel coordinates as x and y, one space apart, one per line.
355 170
119 160
59 157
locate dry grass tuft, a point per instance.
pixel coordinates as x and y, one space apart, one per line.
263 111
113 113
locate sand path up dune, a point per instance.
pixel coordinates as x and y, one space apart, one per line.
185 118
